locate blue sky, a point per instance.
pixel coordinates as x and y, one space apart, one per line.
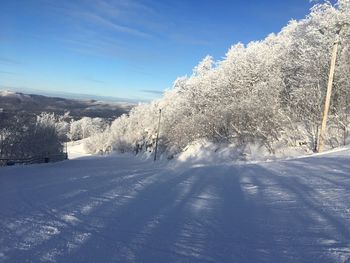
125 48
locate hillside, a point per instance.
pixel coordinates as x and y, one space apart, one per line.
121 209
16 102
268 93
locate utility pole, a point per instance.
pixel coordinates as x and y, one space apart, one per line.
155 151
322 135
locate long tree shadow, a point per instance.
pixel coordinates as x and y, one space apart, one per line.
309 210
293 211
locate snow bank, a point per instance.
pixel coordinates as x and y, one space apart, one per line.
203 151
208 152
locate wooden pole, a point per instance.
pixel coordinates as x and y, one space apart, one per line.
328 95
155 151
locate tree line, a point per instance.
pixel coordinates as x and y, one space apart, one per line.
25 135
269 92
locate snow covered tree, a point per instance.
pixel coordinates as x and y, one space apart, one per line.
267 92
26 136
86 127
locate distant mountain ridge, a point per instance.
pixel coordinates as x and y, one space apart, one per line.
71 95
17 102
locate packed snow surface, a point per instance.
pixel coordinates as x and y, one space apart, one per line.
121 209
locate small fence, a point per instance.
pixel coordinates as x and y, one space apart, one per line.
34 159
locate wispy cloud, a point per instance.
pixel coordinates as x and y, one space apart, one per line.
189 40
123 8
129 17
94 80
118 16
9 61
157 92
121 29
6 72
105 46
104 22
105 28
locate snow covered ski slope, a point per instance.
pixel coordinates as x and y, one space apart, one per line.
120 209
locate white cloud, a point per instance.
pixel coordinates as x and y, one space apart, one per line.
99 20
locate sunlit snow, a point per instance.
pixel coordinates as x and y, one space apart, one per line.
121 209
